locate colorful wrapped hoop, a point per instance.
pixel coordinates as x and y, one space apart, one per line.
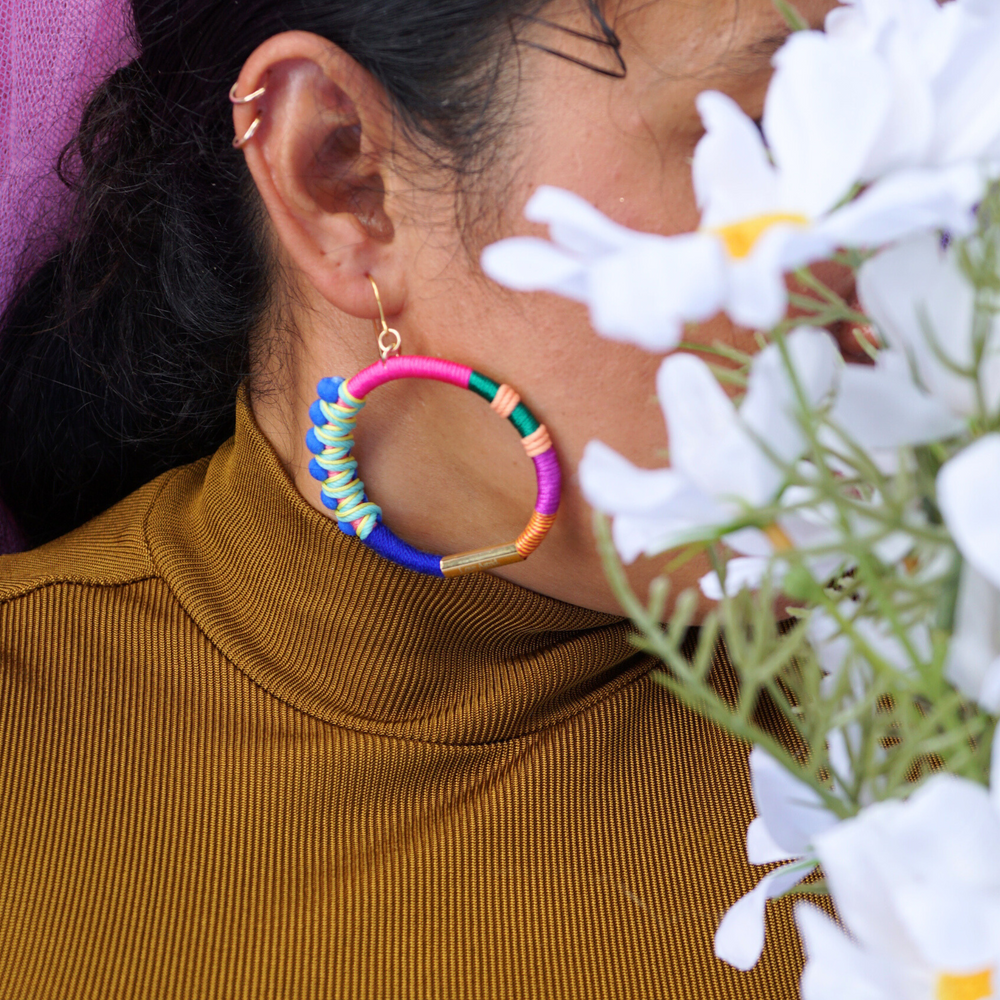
331 440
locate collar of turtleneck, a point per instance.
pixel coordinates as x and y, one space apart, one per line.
324 624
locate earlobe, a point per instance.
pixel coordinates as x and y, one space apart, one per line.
317 158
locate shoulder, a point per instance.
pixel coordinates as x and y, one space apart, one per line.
110 551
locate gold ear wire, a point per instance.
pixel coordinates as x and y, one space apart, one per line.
385 350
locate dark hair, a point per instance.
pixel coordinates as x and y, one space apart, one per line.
121 356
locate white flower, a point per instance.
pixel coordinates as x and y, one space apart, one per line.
837 650
942 59
768 207
640 287
917 885
925 307
881 409
789 816
973 664
967 490
724 461
809 523
940 368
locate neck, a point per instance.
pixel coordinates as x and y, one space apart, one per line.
317 618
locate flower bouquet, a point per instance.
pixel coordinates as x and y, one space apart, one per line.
861 500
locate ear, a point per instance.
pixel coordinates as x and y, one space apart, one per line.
319 160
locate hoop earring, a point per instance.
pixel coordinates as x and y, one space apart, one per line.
331 440
259 92
241 140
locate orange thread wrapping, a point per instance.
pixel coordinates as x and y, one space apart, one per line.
537 528
537 442
505 401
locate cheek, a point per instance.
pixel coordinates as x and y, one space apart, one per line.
621 157
591 388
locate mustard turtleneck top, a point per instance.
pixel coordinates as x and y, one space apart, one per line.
243 757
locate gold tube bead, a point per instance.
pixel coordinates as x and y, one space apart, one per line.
480 559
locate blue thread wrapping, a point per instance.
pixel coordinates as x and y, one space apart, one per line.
331 441
387 545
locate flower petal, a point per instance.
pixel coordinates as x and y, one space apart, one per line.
740 937
836 967
761 848
948 829
954 926
703 427
881 408
646 293
967 88
793 812
915 291
825 111
576 225
529 264
654 509
852 854
757 296
973 663
733 175
771 405
744 573
906 137
906 203
613 485
968 487
641 287
832 647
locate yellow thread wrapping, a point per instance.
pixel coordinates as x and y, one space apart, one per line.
741 237
975 986
532 536
505 401
537 442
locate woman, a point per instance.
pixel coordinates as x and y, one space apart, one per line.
244 755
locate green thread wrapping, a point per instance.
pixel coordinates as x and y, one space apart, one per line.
522 419
483 386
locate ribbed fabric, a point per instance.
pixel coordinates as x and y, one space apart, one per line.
241 756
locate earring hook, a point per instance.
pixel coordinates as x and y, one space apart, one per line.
392 348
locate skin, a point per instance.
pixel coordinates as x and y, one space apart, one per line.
346 196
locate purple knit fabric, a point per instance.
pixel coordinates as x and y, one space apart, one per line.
53 54
10 537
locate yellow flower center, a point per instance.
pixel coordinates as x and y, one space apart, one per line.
778 538
972 987
741 237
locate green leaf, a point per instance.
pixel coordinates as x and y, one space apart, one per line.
792 17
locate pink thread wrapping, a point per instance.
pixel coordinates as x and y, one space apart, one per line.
549 482
413 366
408 366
